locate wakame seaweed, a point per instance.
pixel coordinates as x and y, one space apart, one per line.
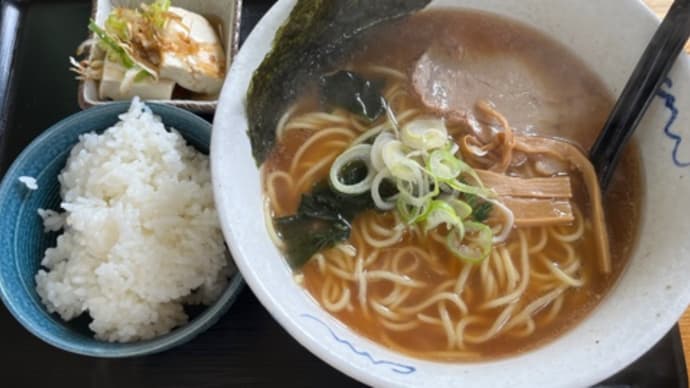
315 38
323 219
348 90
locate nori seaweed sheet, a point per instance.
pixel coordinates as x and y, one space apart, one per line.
316 36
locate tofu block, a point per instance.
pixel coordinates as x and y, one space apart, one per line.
147 89
201 69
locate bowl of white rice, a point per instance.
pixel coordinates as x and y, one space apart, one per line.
110 241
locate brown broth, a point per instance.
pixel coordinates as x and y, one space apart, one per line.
582 104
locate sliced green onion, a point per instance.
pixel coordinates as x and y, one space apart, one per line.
440 212
397 162
418 192
468 189
424 134
461 208
444 165
380 202
467 170
474 245
377 149
409 213
414 198
358 153
420 161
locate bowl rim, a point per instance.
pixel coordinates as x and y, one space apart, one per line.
177 336
337 358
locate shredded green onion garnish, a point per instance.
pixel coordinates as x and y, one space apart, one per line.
111 45
117 25
116 50
155 12
119 31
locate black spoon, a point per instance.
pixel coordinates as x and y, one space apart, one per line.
650 73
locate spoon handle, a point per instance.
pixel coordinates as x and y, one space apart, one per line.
650 73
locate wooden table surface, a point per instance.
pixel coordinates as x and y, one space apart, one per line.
661 7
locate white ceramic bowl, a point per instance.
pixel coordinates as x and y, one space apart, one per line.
641 307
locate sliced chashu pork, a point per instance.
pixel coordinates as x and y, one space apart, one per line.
450 80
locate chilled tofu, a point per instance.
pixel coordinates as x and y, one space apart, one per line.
111 86
197 61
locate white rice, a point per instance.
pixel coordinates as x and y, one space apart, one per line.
52 220
29 182
141 234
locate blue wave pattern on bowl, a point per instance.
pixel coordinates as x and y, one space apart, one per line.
394 366
670 104
23 241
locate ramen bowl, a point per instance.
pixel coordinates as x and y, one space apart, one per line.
642 305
